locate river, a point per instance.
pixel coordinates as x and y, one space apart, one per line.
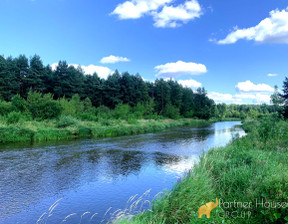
98 176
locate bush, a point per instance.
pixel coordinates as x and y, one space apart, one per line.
67 107
89 115
121 111
13 117
65 121
5 108
87 104
77 104
84 131
171 112
15 134
103 112
43 107
18 103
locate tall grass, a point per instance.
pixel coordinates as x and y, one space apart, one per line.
252 168
67 127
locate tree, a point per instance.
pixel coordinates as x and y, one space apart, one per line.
93 87
112 90
33 79
162 97
277 100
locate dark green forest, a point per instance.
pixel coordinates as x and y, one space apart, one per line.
21 75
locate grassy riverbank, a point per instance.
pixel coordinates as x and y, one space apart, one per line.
251 169
67 127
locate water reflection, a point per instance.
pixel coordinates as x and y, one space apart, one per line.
92 175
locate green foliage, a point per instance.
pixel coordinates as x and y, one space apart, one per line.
251 168
18 103
103 112
5 108
121 111
171 112
13 117
77 104
88 115
21 75
15 134
43 107
67 107
87 104
65 121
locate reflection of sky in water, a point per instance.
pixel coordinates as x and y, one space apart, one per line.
92 175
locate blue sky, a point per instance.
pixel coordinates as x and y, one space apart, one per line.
229 47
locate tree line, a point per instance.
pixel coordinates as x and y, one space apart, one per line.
20 75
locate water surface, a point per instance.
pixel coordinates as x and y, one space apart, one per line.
94 175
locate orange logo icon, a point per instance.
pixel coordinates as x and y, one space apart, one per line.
207 208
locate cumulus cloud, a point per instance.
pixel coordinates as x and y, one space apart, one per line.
243 98
248 86
135 9
113 59
247 93
179 68
190 83
164 14
273 29
272 75
171 16
224 98
262 98
102 72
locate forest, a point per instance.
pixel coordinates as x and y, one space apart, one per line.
25 82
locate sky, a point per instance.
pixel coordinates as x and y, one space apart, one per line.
237 50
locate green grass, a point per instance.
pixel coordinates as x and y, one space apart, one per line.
67 127
252 168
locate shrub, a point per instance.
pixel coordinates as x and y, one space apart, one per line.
13 117
87 104
43 107
77 104
65 121
89 115
171 112
18 103
121 111
103 112
5 108
14 134
84 131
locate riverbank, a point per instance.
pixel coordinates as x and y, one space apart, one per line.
68 128
252 169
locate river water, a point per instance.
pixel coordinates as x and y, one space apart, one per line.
99 176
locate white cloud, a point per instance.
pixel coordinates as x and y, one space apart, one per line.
135 9
113 59
273 29
164 14
248 86
243 98
247 93
224 98
261 98
171 16
180 68
102 72
272 75
190 83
